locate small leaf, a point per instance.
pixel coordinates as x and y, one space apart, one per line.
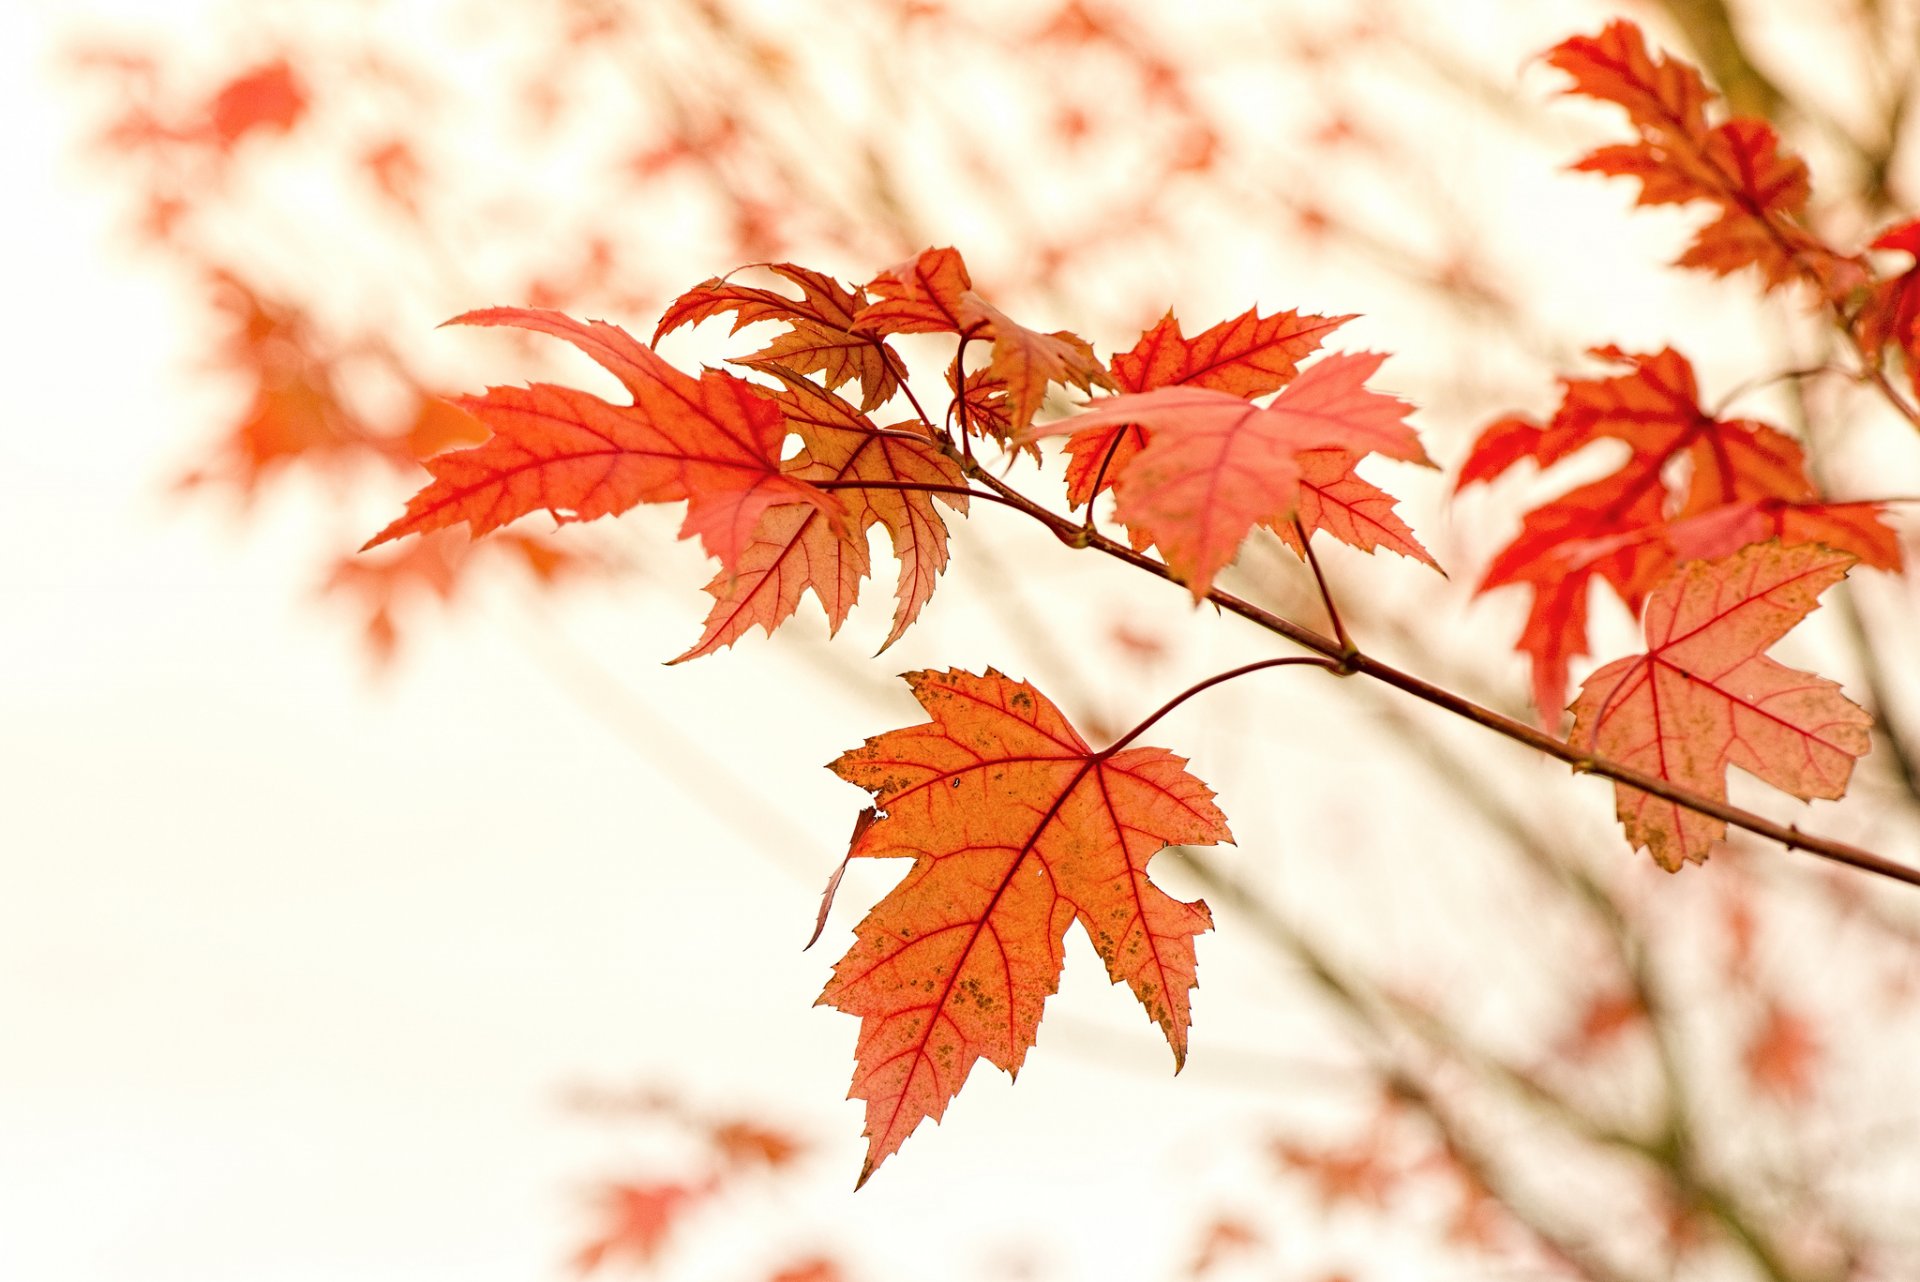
933 293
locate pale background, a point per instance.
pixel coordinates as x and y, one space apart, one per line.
298 960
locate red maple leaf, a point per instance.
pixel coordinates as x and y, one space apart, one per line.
1689 485
268 97
1782 1056
1216 465
1759 190
1337 499
797 548
1017 829
1891 313
713 441
932 293
1361 1173
1704 697
1250 355
819 338
637 1220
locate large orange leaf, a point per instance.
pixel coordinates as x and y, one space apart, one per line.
819 337
1250 355
713 441
932 293
1017 829
1759 190
1215 465
1704 696
1688 480
796 548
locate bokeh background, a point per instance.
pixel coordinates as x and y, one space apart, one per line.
401 917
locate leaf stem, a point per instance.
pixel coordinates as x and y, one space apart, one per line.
960 401
904 388
1326 595
1295 660
1106 461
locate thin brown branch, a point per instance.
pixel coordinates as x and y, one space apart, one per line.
1326 594
1357 663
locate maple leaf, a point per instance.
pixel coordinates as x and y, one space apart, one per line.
819 338
932 293
1028 360
1891 313
1017 828
1688 481
1704 697
436 566
1361 1172
744 1143
1216 465
796 547
269 97
984 399
1739 166
1250 355
1606 1017
1337 499
439 425
713 441
1721 531
1782 1057
639 1218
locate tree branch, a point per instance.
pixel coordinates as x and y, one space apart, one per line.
1357 663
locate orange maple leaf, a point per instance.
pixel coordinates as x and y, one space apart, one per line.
1704 697
268 97
1629 529
1017 828
1250 355
796 547
1217 465
932 293
1361 1173
1738 165
435 566
713 441
1337 499
1782 1057
819 338
638 1220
